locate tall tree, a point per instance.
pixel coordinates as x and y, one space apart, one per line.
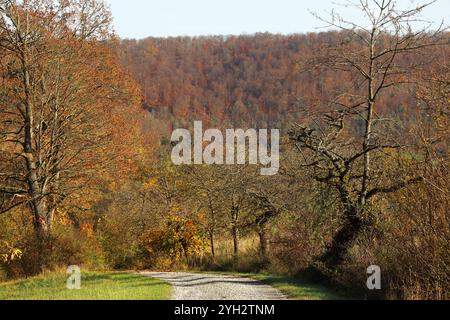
60 103
375 56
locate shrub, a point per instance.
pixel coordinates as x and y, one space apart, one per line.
180 241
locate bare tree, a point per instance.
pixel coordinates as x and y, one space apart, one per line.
332 148
205 189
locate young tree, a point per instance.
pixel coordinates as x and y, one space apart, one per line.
205 189
380 57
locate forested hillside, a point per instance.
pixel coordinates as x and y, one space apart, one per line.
255 81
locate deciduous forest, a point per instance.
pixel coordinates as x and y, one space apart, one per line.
86 176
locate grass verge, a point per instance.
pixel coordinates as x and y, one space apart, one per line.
94 286
293 288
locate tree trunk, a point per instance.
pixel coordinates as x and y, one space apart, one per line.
342 241
212 227
42 235
263 241
235 231
41 226
37 202
212 242
235 242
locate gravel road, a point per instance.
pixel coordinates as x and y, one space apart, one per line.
192 286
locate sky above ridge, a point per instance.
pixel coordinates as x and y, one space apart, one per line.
164 18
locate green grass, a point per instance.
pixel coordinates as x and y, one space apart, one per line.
94 286
294 289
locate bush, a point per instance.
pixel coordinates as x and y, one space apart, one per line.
67 246
179 244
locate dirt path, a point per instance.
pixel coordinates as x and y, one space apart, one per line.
192 286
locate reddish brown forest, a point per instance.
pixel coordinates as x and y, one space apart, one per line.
255 81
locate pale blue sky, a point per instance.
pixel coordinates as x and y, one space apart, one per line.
162 18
